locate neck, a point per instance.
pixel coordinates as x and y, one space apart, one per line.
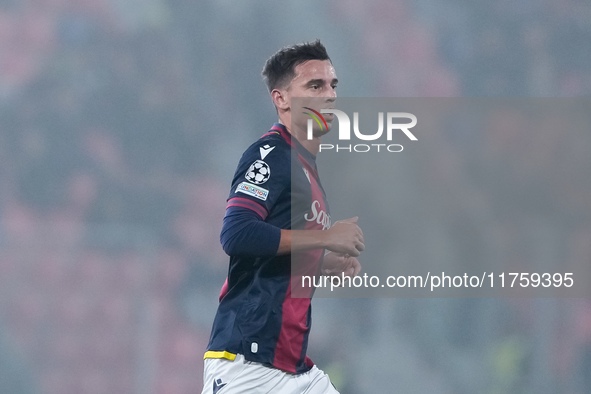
312 146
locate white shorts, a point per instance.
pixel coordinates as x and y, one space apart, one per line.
222 376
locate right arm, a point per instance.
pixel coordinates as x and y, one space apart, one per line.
344 237
244 232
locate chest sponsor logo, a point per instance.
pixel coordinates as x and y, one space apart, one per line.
318 215
252 190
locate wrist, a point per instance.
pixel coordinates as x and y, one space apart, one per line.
322 238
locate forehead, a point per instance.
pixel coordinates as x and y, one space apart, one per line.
314 69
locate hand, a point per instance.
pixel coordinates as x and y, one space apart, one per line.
345 237
338 263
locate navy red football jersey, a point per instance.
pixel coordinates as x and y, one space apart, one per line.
257 316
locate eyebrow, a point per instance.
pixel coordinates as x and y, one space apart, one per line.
321 82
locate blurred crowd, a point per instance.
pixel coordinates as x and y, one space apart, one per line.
116 120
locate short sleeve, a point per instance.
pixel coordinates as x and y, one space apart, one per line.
262 176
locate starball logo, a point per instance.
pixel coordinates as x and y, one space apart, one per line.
393 127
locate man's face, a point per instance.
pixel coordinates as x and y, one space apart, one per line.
315 80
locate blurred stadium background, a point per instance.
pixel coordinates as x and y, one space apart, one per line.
121 123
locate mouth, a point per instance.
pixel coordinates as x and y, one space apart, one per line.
327 115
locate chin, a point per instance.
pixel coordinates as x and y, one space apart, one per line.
320 133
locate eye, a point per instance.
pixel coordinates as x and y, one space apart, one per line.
315 87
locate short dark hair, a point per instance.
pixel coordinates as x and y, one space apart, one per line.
280 68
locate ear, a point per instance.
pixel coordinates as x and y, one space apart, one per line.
280 99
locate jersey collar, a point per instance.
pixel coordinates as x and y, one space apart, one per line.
282 130
293 142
